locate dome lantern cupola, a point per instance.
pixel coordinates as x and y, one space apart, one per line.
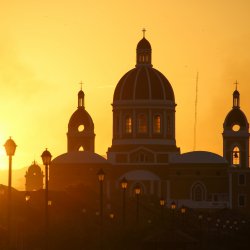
143 52
236 97
81 97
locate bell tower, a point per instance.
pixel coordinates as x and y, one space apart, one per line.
236 135
81 136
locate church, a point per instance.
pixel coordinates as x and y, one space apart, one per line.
144 149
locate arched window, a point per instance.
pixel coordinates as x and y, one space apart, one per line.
157 124
81 148
198 192
236 156
142 123
128 124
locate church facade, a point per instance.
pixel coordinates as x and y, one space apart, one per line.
144 149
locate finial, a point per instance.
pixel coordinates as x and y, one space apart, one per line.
144 31
236 84
81 84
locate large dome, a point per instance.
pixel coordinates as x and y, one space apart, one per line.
198 157
79 157
143 83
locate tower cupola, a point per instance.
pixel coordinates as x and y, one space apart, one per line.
236 97
81 99
143 52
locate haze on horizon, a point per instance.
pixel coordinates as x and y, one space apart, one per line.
48 47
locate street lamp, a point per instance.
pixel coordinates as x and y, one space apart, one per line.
124 185
101 176
27 201
200 218
27 196
173 208
10 148
137 193
162 205
183 211
46 157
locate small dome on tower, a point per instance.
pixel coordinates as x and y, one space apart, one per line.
143 44
236 93
34 168
81 93
81 117
236 116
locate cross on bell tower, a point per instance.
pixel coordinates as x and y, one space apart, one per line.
236 85
236 97
81 83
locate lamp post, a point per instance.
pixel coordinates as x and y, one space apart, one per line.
124 185
183 211
101 176
46 157
200 218
27 201
162 205
137 193
173 208
10 148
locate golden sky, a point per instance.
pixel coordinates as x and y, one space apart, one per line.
47 47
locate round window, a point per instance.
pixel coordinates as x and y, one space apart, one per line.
236 127
81 128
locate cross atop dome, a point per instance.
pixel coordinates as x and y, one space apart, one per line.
236 85
143 52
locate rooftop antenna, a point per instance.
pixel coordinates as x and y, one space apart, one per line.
195 110
144 31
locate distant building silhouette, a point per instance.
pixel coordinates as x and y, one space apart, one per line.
144 147
34 178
